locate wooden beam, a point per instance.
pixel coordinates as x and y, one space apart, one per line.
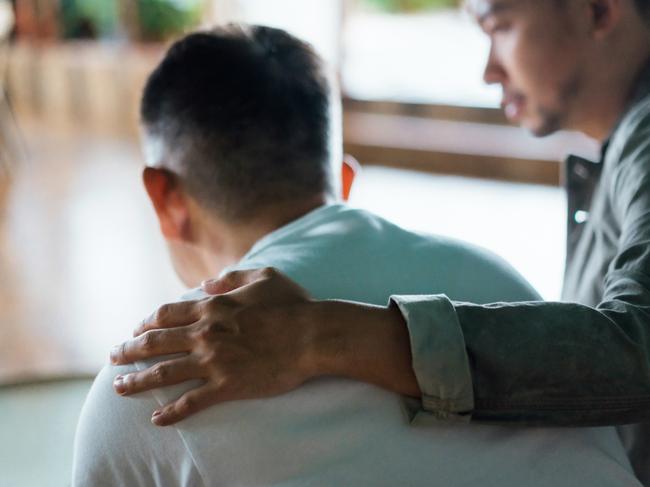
488 167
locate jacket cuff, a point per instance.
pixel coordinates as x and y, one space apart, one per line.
439 357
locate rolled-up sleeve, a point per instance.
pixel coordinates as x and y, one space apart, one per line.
439 357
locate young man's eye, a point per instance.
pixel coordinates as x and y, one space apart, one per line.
500 27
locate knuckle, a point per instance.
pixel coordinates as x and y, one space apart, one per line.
219 302
186 405
208 332
231 279
269 272
211 358
160 374
148 340
228 382
161 314
204 306
210 305
129 383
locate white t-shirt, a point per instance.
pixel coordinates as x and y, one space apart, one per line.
334 431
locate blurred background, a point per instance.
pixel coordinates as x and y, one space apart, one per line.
81 260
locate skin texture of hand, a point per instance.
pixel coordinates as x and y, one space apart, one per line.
258 336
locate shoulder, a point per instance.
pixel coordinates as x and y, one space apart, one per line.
99 453
116 444
630 140
628 155
104 402
484 275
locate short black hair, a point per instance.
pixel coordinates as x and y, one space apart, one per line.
246 111
644 8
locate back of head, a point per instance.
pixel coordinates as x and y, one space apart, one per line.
243 114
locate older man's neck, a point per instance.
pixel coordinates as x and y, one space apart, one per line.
229 242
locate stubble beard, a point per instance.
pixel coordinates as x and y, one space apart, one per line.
552 120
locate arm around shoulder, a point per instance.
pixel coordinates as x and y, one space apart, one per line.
559 363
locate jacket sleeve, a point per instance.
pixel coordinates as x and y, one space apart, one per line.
543 362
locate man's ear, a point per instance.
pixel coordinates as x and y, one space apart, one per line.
169 202
605 15
349 170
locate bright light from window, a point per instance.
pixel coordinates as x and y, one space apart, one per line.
432 57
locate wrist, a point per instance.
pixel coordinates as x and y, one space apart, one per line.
323 339
358 341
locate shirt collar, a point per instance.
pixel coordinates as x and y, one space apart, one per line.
315 215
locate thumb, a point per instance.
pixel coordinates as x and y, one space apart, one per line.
233 280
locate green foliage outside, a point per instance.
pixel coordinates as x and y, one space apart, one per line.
156 19
412 5
162 19
89 18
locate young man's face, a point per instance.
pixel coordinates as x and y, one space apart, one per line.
535 56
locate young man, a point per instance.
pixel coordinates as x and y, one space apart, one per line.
576 64
240 134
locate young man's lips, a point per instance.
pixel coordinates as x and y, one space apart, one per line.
513 106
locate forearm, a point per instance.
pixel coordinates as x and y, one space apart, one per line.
527 363
532 363
558 363
363 342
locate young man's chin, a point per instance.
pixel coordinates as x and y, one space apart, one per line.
543 123
539 123
542 130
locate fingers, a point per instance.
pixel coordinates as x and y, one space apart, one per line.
265 285
162 374
236 279
272 288
170 315
152 343
189 403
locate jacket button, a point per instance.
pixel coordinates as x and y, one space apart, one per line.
581 171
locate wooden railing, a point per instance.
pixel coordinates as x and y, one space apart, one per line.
466 141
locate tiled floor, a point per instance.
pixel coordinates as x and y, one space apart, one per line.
81 261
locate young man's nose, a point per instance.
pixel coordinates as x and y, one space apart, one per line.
493 72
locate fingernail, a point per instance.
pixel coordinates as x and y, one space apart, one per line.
118 384
156 417
114 354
